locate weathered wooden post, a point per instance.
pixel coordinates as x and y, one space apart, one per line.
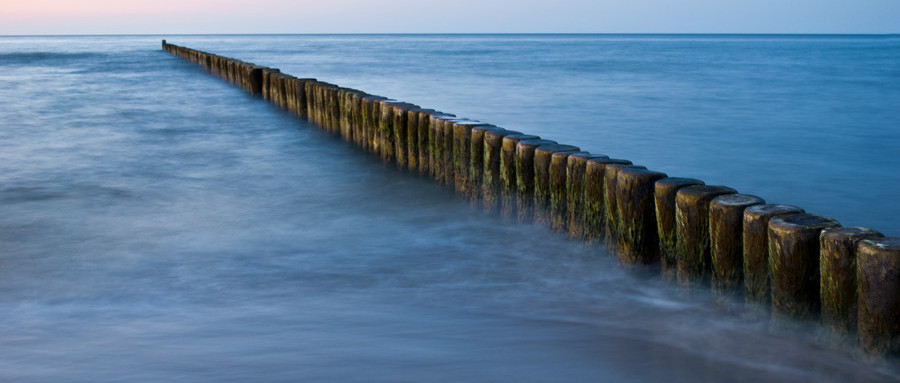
610 205
576 165
508 183
726 232
594 196
692 231
462 156
437 145
401 143
638 241
358 121
757 281
525 175
491 181
878 264
664 192
424 139
837 287
385 134
414 141
476 160
547 175
794 264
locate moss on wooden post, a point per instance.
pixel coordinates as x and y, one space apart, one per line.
638 242
794 264
757 281
837 286
692 231
401 144
462 156
576 165
476 160
594 195
547 178
726 232
610 205
437 145
525 176
508 185
490 183
357 119
413 140
664 200
878 264
424 138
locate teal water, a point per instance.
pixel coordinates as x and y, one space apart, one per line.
159 224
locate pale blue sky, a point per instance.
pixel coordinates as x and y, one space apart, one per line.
463 16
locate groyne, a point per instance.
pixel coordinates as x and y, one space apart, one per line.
779 260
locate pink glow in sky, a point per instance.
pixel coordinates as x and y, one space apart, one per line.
460 16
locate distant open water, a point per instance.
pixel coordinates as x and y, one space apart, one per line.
158 224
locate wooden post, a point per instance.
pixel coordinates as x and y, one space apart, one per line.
476 160
462 155
794 264
525 176
549 179
726 232
401 143
438 146
414 140
491 185
610 205
594 194
576 166
878 262
757 281
692 231
508 183
664 201
837 287
638 241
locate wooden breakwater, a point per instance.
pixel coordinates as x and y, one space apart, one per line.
782 262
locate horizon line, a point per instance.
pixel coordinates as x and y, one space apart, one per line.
461 34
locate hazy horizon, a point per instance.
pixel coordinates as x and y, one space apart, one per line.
144 17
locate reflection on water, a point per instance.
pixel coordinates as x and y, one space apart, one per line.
158 224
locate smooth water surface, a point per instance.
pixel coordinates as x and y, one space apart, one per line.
158 224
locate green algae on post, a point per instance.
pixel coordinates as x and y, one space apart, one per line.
508 183
594 194
491 177
525 177
878 262
664 204
757 281
547 178
794 264
838 280
462 149
726 230
576 166
692 231
638 243
477 160
610 207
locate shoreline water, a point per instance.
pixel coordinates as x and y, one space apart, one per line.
215 237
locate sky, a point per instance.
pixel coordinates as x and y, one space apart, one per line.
18 17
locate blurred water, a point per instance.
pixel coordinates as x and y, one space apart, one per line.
159 224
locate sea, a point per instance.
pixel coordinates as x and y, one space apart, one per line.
158 224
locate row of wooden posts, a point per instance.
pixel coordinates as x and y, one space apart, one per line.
802 266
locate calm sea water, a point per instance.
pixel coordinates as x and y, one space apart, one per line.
157 224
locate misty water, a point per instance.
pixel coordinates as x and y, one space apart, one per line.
158 224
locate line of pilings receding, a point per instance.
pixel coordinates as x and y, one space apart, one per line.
782 262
